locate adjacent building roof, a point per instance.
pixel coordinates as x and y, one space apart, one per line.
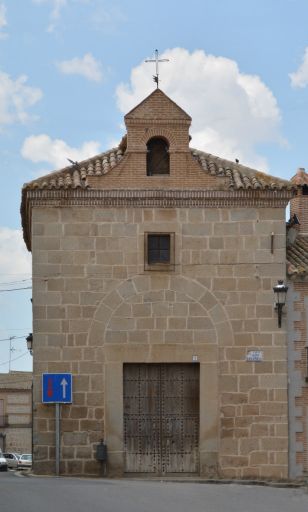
297 257
239 176
301 177
16 380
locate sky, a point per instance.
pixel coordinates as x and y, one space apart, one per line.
70 70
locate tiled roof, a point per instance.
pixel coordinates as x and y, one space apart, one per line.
239 176
75 176
300 178
297 257
16 380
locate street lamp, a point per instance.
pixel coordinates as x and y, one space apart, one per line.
29 340
280 291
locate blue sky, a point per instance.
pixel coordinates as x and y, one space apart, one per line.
70 69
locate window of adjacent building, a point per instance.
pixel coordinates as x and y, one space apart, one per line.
159 251
157 157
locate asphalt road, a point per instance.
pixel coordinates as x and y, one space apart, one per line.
50 494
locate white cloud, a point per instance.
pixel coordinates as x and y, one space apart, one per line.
107 18
87 66
232 112
15 98
99 16
14 257
3 21
41 148
300 77
56 8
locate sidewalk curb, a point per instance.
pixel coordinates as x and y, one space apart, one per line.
214 481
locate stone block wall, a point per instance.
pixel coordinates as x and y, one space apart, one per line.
17 428
95 307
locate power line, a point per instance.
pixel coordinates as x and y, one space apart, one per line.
15 359
14 338
15 282
15 289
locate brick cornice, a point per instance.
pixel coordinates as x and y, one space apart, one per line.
172 196
157 122
158 198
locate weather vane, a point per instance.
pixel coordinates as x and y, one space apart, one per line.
156 60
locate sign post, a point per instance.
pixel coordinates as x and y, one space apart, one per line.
57 389
58 437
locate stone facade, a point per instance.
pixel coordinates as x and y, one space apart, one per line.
95 307
16 412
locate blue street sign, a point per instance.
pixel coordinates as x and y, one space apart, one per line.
57 388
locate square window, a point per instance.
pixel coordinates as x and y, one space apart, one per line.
159 251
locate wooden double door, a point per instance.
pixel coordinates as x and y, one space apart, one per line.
161 418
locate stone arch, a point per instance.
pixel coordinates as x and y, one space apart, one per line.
159 131
141 284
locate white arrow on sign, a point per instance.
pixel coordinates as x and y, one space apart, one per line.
63 383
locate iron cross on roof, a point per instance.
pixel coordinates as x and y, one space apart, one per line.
156 60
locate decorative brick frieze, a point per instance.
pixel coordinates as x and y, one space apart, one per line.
159 198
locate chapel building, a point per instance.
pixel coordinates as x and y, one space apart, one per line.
153 273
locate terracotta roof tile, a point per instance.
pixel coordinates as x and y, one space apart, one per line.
240 176
75 176
297 257
301 177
